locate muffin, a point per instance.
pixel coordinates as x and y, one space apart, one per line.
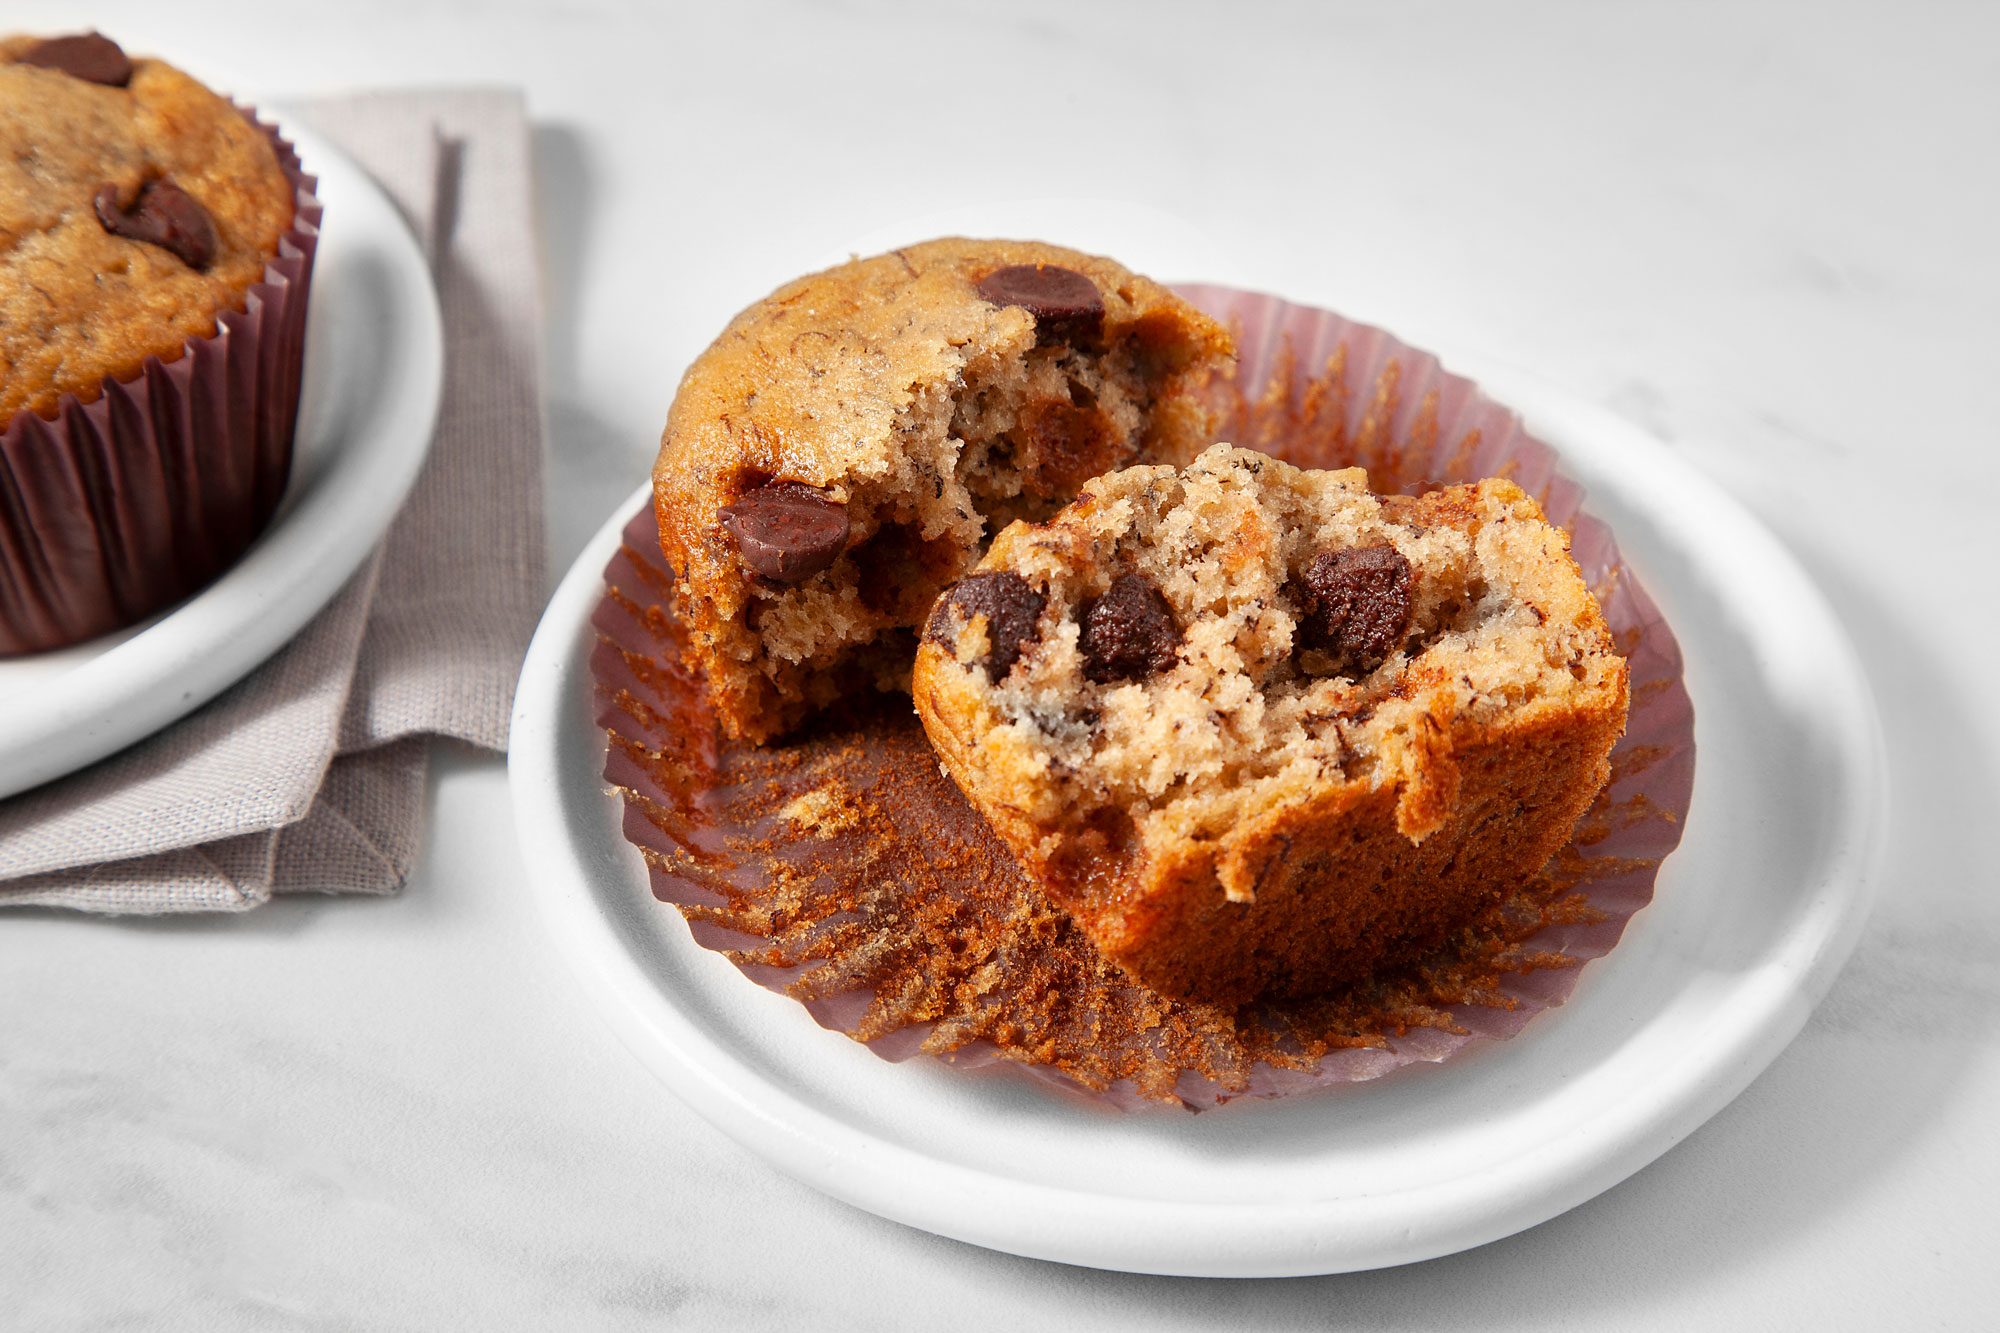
846 447
1261 732
155 244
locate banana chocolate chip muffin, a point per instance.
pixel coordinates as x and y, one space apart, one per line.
1261 731
135 206
156 247
847 446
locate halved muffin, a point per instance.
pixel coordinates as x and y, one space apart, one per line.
847 446
1263 732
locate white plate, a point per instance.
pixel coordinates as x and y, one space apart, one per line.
1753 916
374 374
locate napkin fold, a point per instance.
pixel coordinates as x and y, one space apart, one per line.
309 774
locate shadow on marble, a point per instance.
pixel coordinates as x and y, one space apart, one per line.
592 465
566 194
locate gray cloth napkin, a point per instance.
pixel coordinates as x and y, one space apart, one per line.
309 775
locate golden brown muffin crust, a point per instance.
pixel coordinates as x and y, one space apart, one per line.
78 304
808 383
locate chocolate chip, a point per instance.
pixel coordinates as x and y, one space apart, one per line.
1013 612
786 531
1130 632
162 214
90 56
1065 304
899 572
1357 605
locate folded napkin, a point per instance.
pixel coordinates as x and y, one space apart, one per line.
309 774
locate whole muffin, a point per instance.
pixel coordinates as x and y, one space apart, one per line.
848 444
141 216
1262 732
133 213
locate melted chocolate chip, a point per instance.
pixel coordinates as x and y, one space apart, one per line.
1357 605
162 214
1013 612
1070 446
899 572
1129 633
90 56
787 531
1066 305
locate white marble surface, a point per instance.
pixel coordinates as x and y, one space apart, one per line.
1765 232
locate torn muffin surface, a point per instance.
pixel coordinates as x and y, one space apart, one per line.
848 446
1267 728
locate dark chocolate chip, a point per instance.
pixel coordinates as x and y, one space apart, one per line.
1357 604
787 531
1066 305
90 56
1130 632
1013 612
162 214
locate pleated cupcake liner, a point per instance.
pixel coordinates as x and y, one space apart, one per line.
119 507
841 868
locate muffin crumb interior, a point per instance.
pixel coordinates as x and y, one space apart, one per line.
1012 436
1251 706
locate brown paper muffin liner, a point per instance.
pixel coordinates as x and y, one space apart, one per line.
127 504
843 869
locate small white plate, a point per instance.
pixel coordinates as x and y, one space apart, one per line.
374 376
1752 917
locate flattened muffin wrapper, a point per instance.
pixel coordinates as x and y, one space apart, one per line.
843 869
122 506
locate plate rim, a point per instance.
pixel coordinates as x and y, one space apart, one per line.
138 685
1323 1235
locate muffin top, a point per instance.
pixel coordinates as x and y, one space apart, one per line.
809 383
131 214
